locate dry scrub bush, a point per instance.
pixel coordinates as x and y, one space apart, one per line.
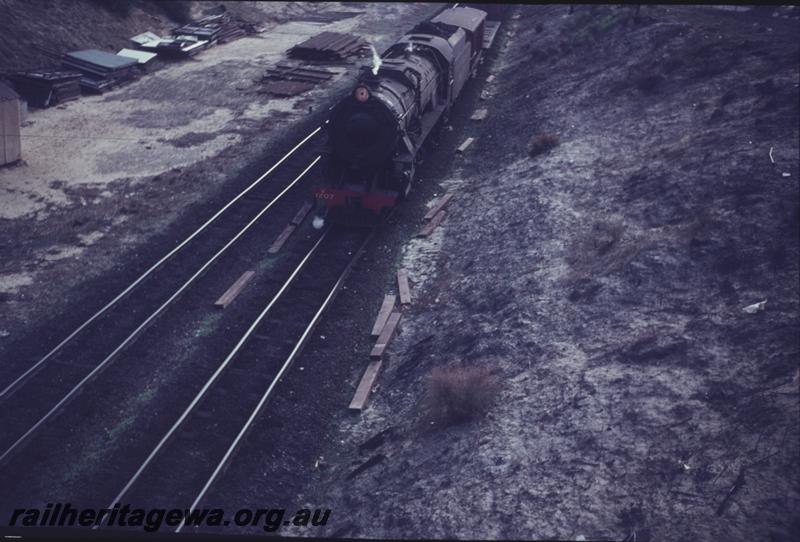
604 248
458 394
541 143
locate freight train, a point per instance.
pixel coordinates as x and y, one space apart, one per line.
376 133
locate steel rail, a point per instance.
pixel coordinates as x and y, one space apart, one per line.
216 374
257 410
150 318
6 391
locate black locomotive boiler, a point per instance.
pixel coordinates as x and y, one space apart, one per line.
376 133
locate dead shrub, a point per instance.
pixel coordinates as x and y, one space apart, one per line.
595 242
605 248
458 394
542 143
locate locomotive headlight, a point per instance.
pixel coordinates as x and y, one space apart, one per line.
361 94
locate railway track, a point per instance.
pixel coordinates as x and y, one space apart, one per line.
35 396
191 455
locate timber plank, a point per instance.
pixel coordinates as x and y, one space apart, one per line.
402 286
301 214
276 246
234 290
438 205
385 337
463 147
362 393
383 315
430 226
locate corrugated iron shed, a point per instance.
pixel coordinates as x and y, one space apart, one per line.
7 93
10 140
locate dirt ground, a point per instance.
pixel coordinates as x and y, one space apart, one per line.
602 283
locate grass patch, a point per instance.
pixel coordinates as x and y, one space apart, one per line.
98 448
458 394
266 264
207 324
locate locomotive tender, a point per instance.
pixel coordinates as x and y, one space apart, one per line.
376 133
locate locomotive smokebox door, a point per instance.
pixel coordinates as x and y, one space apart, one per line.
361 94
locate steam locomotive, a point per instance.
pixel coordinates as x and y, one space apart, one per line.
376 133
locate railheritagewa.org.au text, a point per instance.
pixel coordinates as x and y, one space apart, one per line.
64 515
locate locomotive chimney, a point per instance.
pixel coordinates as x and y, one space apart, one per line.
368 77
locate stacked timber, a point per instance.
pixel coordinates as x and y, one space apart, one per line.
101 70
289 80
47 87
183 45
328 46
219 28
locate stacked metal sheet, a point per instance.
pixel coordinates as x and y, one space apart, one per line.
175 45
47 87
101 70
219 28
145 37
288 80
142 58
326 16
328 46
